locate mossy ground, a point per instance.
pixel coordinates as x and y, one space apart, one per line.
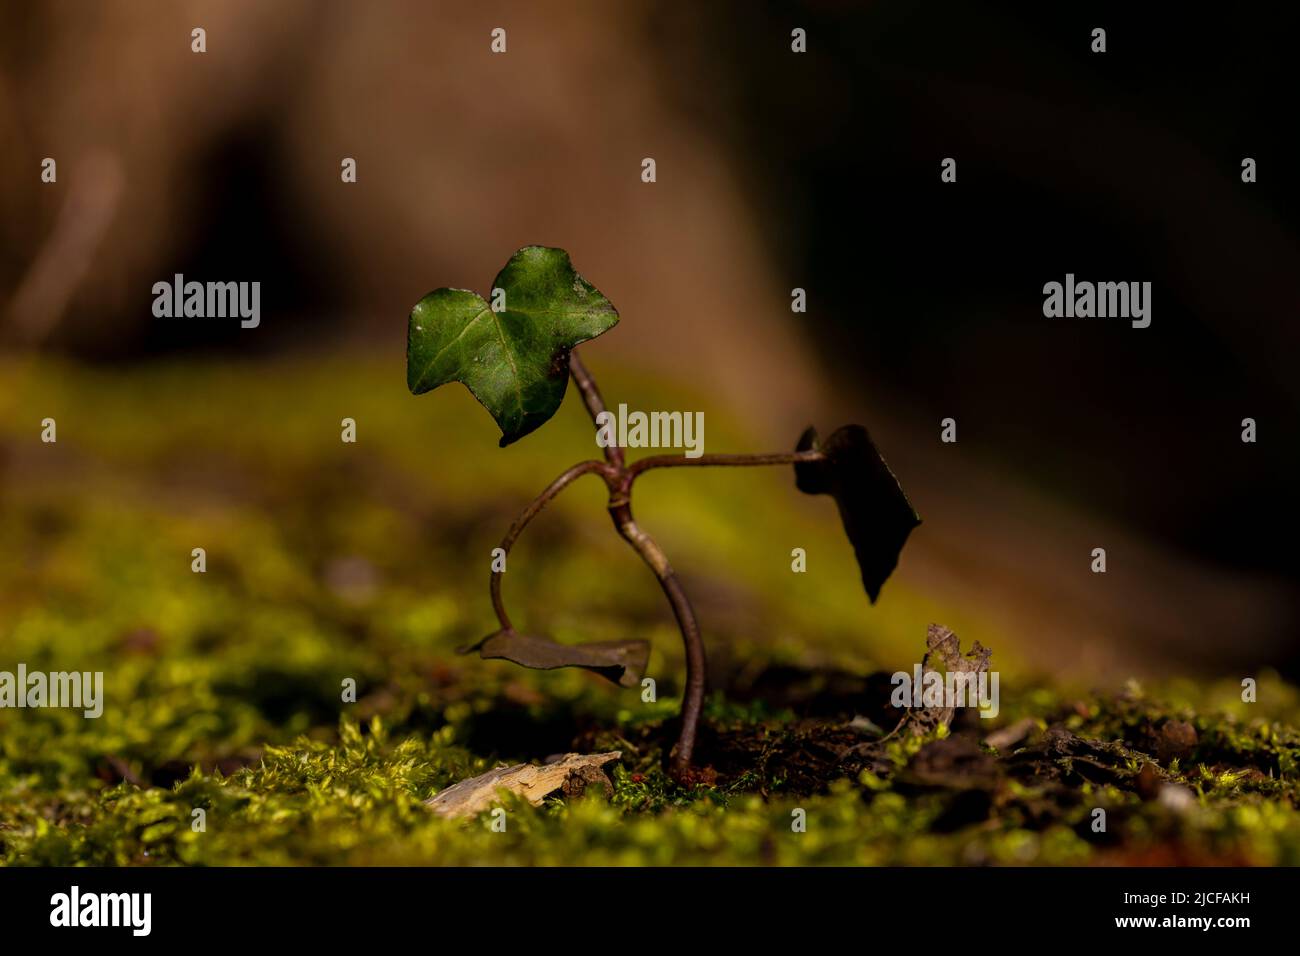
329 561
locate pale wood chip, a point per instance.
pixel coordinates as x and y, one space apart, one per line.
531 781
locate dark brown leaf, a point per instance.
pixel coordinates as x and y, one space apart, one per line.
876 515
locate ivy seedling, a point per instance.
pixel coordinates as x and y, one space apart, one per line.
516 355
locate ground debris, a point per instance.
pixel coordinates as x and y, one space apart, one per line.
1176 741
954 763
1064 756
570 774
1007 737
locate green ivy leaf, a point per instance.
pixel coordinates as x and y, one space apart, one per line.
876 515
516 361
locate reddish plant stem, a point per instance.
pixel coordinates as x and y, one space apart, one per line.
620 510
680 461
619 478
595 404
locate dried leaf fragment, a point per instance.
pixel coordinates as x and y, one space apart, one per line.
532 782
944 648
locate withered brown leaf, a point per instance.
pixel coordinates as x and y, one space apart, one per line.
622 662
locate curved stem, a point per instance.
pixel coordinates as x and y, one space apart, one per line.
620 510
527 515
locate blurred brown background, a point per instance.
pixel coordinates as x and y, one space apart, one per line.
774 171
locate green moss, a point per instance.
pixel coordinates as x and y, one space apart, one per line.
224 689
357 798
